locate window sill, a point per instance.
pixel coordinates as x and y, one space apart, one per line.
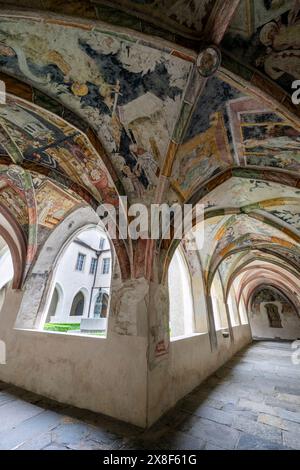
181 338
59 333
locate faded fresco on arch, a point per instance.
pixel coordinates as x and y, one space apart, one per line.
53 204
183 15
207 147
290 214
292 256
38 136
128 92
268 296
240 231
261 137
239 192
266 35
14 195
226 233
234 130
16 204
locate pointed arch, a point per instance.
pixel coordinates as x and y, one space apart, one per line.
13 235
78 304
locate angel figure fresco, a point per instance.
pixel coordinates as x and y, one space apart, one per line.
76 150
134 181
99 179
282 46
44 209
145 163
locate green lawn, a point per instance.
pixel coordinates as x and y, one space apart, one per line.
65 327
62 327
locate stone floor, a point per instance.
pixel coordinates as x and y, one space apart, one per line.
253 402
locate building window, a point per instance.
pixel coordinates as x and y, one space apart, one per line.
93 265
80 262
105 265
101 243
101 305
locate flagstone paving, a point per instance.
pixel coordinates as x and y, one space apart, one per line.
252 402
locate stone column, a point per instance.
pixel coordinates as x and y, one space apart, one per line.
229 322
159 380
211 323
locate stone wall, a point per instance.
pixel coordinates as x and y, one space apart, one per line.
268 303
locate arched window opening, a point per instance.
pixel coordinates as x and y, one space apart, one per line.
6 270
180 295
81 286
233 309
77 307
243 312
218 302
55 304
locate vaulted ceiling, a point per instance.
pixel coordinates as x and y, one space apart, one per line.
109 98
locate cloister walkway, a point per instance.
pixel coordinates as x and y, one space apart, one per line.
252 402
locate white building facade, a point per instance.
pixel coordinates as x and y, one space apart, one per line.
81 284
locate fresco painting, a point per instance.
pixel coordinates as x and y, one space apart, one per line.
271 296
239 192
241 231
292 256
237 232
234 130
202 157
207 145
263 138
211 226
227 265
181 15
12 199
272 145
290 214
53 204
132 94
129 92
35 202
251 15
49 141
269 39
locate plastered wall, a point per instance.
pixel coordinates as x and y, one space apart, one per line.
285 312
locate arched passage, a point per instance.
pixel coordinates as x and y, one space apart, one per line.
77 307
14 238
181 308
6 270
80 282
56 303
